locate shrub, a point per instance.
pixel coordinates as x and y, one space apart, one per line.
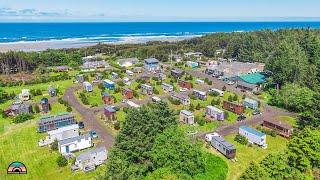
54 145
62 161
198 107
22 118
155 91
224 88
200 120
36 109
191 107
230 98
116 125
241 139
69 109
235 97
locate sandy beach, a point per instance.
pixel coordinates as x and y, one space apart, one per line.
75 43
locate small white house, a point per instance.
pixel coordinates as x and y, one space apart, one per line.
88 86
75 144
186 117
89 160
130 73
167 87
24 95
254 136
59 134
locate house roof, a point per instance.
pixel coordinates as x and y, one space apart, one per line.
78 138
187 113
87 155
108 81
44 101
252 131
200 92
223 142
245 84
177 71
167 85
110 109
251 101
253 78
55 118
180 96
279 123
63 129
151 60
215 109
105 94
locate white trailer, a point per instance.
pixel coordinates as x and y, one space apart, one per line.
254 136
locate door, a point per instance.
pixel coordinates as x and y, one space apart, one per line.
67 149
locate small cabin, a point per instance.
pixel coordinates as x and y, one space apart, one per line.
186 117
107 99
200 94
130 73
282 128
223 147
88 86
167 87
177 73
98 76
45 106
80 78
114 75
128 93
250 103
109 84
185 84
24 95
233 107
254 136
110 112
184 100
146 89
214 113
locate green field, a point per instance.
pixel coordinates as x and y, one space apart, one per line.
20 144
245 154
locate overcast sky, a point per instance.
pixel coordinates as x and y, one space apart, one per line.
158 10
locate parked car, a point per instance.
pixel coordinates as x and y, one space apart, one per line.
81 125
241 117
256 112
93 134
220 78
231 82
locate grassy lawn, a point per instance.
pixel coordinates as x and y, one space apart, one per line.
245 154
95 97
20 144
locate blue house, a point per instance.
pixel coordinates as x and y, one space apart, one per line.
151 64
250 103
108 84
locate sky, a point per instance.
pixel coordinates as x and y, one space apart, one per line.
158 10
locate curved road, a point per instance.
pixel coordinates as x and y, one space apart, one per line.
89 117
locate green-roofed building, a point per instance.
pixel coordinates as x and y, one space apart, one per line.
253 78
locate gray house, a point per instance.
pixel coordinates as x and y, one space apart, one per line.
89 160
20 107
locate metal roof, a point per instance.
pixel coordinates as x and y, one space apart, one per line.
187 113
109 109
108 81
86 155
223 142
78 138
215 109
253 78
56 118
252 131
62 129
250 101
151 60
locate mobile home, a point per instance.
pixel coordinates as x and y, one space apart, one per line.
233 107
223 147
254 136
200 94
214 113
109 84
54 122
221 93
186 117
167 87
146 89
75 144
88 86
250 103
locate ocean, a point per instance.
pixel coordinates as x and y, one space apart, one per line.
61 35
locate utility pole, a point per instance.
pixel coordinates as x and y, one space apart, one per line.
171 58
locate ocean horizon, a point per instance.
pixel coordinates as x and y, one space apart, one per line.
40 36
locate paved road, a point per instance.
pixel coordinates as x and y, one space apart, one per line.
88 117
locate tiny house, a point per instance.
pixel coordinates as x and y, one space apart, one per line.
110 112
107 99
45 106
98 76
185 84
186 117
177 73
184 100
52 91
250 103
20 107
200 94
114 75
254 136
233 107
146 89
130 73
24 95
167 87
74 144
80 78
192 64
109 84
223 147
162 76
214 113
88 86
128 93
